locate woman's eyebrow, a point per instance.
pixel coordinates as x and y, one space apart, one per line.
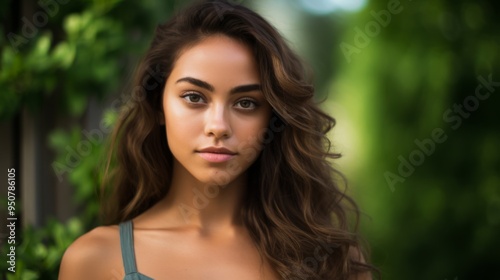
196 82
209 87
246 88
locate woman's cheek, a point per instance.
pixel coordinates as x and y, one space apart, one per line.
248 152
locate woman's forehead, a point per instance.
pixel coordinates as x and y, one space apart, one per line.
217 59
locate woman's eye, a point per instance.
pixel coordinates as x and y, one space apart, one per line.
193 98
247 104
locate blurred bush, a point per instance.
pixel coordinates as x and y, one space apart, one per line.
434 205
85 51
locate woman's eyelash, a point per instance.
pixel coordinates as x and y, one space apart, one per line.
244 103
253 103
189 95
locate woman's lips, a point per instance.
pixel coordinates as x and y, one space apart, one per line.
215 157
216 154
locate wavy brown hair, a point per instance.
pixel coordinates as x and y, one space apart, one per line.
295 209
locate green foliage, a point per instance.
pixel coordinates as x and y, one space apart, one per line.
39 254
85 51
441 219
81 66
82 170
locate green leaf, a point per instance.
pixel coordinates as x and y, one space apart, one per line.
64 54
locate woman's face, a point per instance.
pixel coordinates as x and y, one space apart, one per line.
215 112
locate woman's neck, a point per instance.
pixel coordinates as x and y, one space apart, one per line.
208 208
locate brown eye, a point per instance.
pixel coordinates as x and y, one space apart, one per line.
247 104
193 98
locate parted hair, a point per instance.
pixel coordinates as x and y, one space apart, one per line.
296 208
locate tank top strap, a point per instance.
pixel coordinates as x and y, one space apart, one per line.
127 246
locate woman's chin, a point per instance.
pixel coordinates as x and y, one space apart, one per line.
216 180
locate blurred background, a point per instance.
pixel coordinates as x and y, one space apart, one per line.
414 86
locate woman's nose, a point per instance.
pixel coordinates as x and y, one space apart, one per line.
217 123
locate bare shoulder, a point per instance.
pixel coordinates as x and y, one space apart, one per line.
94 255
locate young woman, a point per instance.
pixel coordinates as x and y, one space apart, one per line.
222 164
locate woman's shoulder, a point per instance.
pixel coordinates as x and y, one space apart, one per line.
94 255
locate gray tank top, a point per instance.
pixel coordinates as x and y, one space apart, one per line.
128 255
